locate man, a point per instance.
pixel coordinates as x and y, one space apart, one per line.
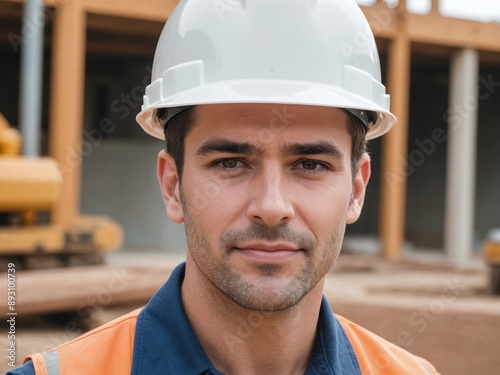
266 112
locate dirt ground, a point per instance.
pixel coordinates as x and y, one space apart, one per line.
442 314
445 315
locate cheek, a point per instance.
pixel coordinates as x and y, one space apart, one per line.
214 203
330 199
323 210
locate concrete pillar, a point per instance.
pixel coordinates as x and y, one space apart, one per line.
30 98
461 158
395 151
66 105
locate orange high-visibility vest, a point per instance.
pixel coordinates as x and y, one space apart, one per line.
105 350
150 340
108 350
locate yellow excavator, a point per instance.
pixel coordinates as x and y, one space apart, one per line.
492 256
29 187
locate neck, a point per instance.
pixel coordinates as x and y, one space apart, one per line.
242 341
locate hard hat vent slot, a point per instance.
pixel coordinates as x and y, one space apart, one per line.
182 77
179 78
358 82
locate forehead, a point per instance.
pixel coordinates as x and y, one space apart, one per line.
267 123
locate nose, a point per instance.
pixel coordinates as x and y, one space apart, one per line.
270 198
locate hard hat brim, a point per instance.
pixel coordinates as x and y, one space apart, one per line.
267 92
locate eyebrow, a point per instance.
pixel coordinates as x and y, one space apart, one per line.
228 146
233 147
315 148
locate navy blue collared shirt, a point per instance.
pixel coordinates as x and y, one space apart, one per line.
165 342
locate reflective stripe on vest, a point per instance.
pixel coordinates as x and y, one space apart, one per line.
45 363
425 367
52 363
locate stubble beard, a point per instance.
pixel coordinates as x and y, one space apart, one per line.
222 275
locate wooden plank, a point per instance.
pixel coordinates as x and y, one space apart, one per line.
78 288
107 35
435 6
10 10
489 59
120 49
434 28
383 20
153 10
453 32
46 2
124 28
394 151
66 105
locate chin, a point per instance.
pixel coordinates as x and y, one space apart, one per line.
267 294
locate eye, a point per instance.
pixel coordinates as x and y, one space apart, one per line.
309 165
229 163
312 166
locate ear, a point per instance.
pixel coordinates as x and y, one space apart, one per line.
358 188
169 185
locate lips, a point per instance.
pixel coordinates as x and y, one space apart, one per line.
268 252
262 246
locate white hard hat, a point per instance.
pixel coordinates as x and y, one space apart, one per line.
305 52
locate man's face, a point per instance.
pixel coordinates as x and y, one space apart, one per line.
266 193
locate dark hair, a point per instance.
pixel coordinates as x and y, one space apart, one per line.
175 132
357 130
179 126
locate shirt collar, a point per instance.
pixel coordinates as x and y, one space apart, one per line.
165 342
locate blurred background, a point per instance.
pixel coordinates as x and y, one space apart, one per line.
99 65
72 76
